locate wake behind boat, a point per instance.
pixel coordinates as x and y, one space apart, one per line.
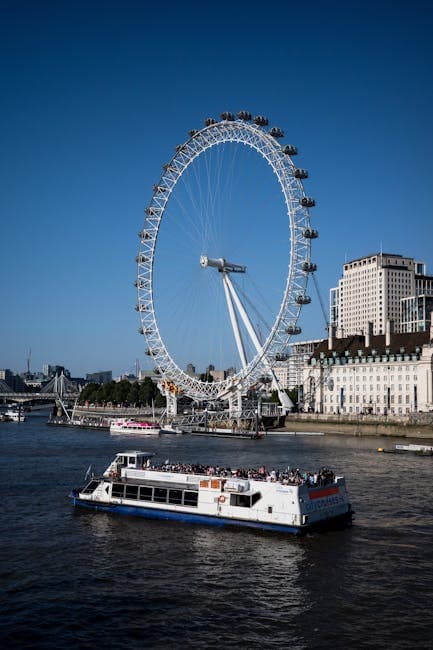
141 427
287 501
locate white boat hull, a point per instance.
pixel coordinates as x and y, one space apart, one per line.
136 428
131 487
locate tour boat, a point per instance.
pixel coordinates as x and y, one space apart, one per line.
126 425
288 501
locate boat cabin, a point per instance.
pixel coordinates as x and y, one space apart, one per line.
133 459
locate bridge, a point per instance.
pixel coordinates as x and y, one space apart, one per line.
58 389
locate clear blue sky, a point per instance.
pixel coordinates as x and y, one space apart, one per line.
95 95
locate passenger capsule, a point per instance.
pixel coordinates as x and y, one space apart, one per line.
293 329
281 357
307 202
143 234
260 120
192 133
302 299
290 150
244 115
300 173
141 259
276 132
309 267
150 211
150 352
227 116
141 307
168 167
209 120
160 189
310 233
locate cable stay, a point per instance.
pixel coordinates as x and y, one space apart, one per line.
325 317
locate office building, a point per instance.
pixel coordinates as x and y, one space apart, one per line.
372 289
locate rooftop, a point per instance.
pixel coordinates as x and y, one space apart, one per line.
408 342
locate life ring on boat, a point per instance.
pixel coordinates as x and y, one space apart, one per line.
221 498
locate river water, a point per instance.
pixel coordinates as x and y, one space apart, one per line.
73 578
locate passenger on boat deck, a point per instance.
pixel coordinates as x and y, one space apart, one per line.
286 477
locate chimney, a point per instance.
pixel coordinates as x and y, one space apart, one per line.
389 329
368 334
331 336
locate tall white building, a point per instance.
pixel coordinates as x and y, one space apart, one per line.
371 290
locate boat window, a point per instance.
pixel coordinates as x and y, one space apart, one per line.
175 496
118 490
160 495
131 492
190 498
240 500
145 493
91 487
131 460
255 498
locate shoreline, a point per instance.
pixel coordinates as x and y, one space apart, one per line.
367 426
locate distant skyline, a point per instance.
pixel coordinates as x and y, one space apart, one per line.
94 99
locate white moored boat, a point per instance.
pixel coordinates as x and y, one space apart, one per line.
15 416
417 449
126 425
281 501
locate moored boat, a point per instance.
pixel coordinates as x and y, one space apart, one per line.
420 450
14 415
141 427
426 450
170 429
287 501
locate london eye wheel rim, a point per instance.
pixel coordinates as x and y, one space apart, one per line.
276 343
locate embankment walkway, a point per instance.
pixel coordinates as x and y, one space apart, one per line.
415 425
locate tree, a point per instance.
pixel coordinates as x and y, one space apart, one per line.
121 392
134 394
89 393
147 391
160 400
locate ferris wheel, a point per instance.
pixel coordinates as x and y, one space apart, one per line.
258 357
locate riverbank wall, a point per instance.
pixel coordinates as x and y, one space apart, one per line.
419 425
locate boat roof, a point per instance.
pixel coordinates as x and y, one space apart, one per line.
135 452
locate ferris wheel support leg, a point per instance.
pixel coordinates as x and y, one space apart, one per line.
234 321
243 314
285 400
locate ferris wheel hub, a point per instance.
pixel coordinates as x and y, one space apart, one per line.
221 264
